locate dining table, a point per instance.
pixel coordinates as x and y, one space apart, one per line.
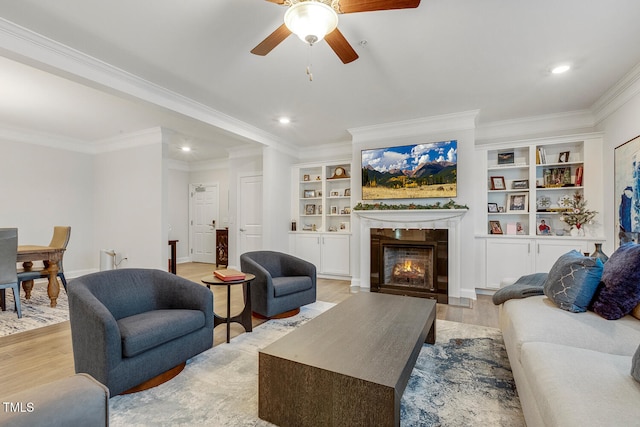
50 256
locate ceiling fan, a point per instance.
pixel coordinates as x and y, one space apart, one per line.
313 20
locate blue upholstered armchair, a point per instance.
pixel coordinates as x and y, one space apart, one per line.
283 282
131 325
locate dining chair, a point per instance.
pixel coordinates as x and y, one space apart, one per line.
60 239
8 271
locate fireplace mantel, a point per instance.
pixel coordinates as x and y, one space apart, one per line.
411 218
415 217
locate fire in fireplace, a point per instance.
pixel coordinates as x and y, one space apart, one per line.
410 262
409 272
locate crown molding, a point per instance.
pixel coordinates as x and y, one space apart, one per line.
30 136
129 140
178 165
443 123
209 165
548 124
331 151
30 47
618 95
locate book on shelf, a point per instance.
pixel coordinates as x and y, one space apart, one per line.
542 155
229 275
579 176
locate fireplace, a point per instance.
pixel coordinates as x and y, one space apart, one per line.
410 262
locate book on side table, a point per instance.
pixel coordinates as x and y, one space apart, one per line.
229 275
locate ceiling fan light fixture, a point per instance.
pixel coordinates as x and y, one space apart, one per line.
560 69
311 20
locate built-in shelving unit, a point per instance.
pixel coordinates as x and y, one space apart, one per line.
322 214
527 184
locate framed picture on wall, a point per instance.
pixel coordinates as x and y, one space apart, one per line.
626 196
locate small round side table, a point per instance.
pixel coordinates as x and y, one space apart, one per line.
244 318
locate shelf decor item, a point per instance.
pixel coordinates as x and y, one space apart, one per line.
577 214
497 183
518 202
506 158
495 227
597 253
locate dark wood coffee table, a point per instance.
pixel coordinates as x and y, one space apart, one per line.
244 318
347 367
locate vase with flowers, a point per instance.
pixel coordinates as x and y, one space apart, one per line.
577 215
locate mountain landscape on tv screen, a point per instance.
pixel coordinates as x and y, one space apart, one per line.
409 172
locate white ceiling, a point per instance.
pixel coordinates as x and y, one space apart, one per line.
445 56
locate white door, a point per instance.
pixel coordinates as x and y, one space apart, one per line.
204 215
250 214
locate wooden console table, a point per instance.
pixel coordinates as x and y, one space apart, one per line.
51 257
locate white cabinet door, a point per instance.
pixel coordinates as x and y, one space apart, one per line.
308 248
547 252
335 254
507 259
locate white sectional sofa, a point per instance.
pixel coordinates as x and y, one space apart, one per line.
571 369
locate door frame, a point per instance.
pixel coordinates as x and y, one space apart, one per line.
192 189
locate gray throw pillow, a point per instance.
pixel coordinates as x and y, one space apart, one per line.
635 365
573 280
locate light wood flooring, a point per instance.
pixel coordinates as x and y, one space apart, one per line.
43 355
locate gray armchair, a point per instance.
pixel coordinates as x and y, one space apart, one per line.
131 325
283 282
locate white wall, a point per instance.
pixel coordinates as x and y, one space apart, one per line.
41 187
131 201
619 127
276 199
178 210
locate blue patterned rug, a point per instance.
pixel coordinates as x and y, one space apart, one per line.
36 311
464 379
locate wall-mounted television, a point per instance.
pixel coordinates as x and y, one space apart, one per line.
419 171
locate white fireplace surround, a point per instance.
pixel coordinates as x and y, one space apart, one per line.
448 219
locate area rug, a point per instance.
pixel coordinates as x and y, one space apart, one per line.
464 379
36 311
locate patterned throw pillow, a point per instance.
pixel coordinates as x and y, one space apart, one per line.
621 280
573 280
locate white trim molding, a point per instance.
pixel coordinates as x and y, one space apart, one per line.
32 48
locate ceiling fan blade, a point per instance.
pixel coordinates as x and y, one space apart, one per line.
276 1
272 40
352 6
341 46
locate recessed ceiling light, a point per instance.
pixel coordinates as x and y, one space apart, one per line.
284 120
561 69
185 148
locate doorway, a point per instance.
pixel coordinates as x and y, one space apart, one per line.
203 219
